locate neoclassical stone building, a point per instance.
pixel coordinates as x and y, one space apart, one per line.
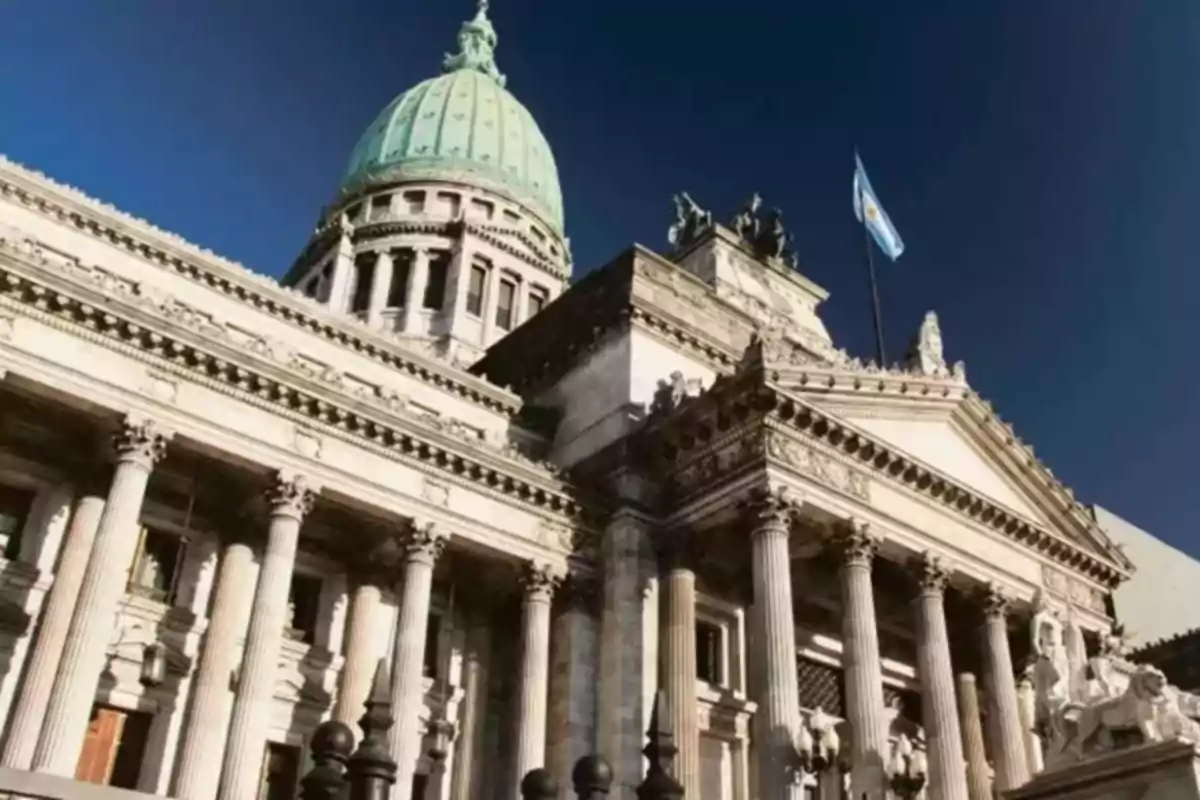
225 498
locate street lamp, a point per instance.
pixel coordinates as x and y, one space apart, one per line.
907 769
817 745
154 665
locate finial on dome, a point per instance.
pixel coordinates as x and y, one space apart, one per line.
476 46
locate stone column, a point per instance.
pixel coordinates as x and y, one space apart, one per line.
422 547
290 499
1027 709
944 745
574 648
51 635
469 755
140 444
1009 755
979 781
679 657
362 650
860 662
207 722
775 646
414 295
620 734
491 300
343 269
540 581
381 286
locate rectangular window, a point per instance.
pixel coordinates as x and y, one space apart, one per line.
432 634
353 211
510 216
420 782
537 234
537 300
312 286
364 276
155 571
401 265
280 772
14 511
482 209
710 653
453 203
380 206
475 289
303 608
415 202
504 304
435 289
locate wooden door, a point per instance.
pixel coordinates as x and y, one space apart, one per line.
114 747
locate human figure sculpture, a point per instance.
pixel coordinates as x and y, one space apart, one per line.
690 220
925 354
745 224
773 239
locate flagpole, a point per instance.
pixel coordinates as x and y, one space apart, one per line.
874 285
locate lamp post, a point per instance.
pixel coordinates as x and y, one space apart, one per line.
817 746
907 769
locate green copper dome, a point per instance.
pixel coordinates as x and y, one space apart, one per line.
463 127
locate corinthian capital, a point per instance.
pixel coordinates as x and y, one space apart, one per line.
931 573
540 581
140 441
424 543
995 601
772 509
855 543
289 495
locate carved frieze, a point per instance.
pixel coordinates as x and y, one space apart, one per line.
818 466
435 492
710 467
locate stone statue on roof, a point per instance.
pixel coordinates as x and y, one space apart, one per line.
746 224
690 220
773 240
925 353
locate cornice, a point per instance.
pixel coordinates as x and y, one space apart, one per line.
166 250
696 421
135 326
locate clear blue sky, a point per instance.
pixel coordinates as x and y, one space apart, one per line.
1040 159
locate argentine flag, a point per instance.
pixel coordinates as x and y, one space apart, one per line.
877 222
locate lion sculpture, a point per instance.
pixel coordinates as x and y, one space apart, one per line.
1148 705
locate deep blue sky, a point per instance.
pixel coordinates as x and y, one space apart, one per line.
1040 158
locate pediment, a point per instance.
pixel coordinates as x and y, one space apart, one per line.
939 442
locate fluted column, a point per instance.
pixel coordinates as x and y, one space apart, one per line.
679 657
289 500
1027 710
140 444
947 771
414 295
775 646
423 545
540 581
207 722
31 706
469 753
362 650
979 781
381 286
861 666
343 268
1009 755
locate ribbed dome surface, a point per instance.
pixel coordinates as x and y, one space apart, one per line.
462 127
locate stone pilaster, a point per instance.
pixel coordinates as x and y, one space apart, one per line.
469 754
31 705
139 445
679 655
423 546
944 746
362 650
775 645
1009 755
289 500
414 293
979 781
574 648
207 722
1027 710
540 582
381 286
627 560
863 672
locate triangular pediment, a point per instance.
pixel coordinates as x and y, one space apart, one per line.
939 442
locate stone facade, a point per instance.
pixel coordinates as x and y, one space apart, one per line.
224 498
